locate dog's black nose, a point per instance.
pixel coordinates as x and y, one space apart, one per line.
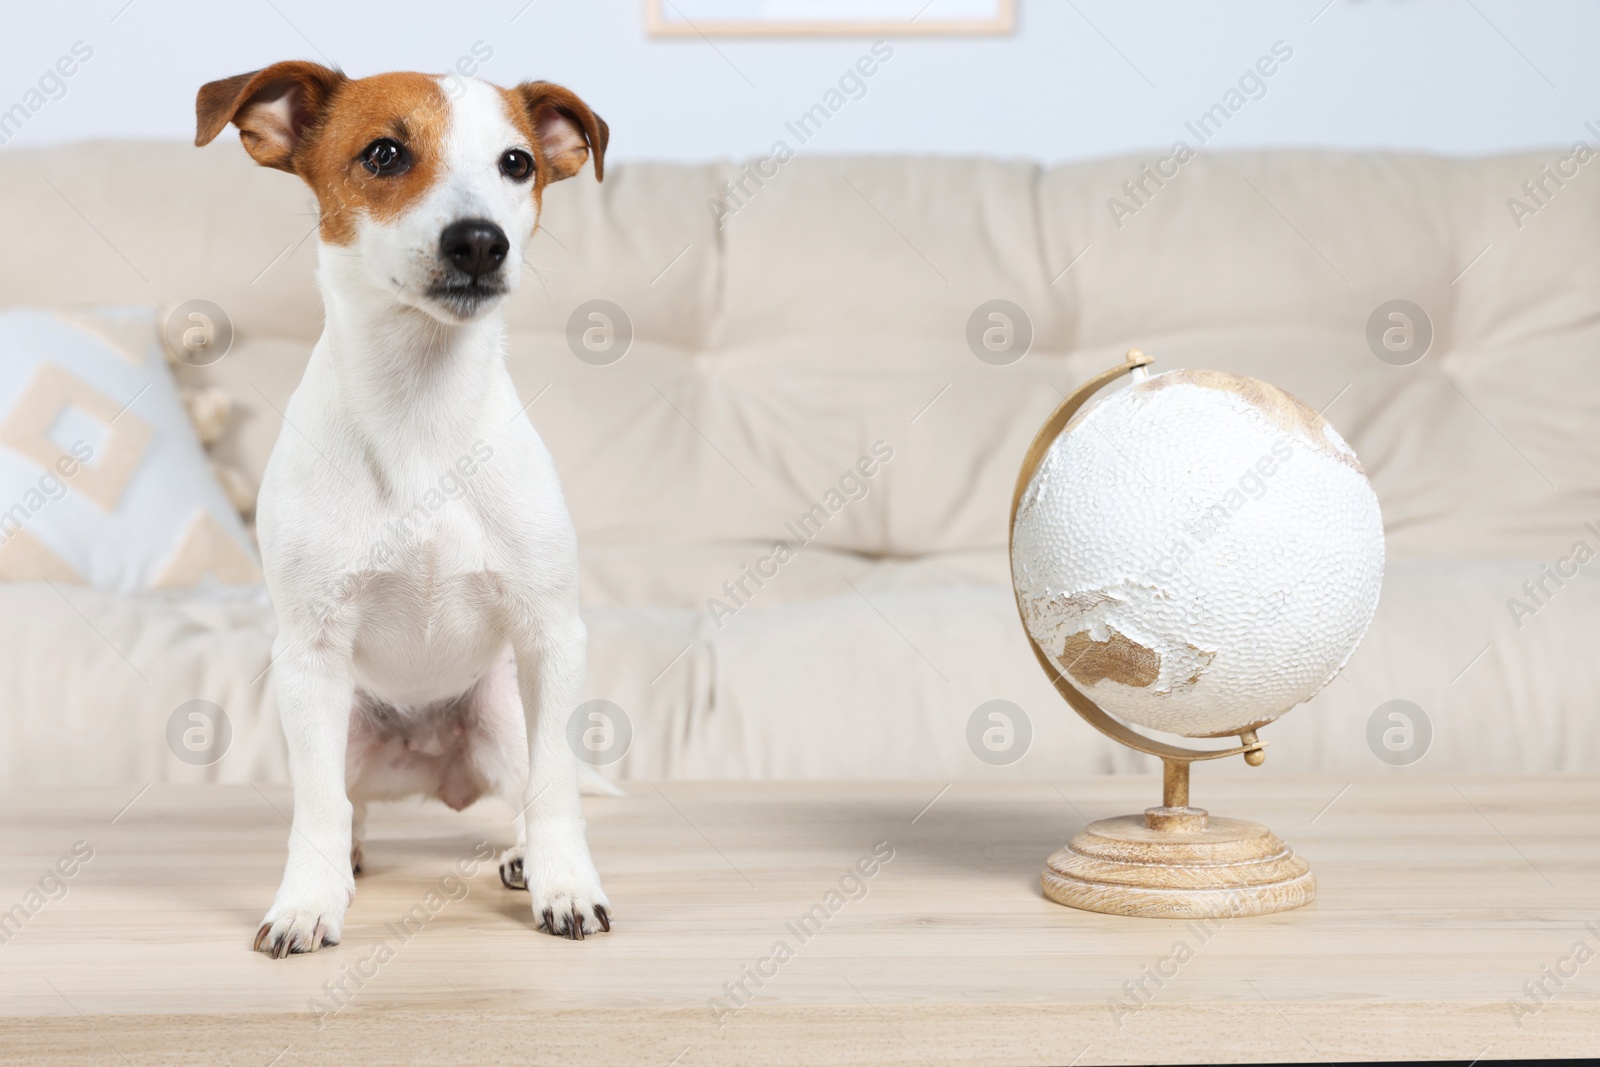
476 246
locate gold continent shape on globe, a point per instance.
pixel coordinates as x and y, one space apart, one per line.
1199 553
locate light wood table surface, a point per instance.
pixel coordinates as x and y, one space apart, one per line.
1438 900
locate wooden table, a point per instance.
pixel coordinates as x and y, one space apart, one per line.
1439 899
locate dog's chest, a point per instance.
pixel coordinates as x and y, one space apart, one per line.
427 598
425 561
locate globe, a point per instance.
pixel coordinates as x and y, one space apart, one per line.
1198 553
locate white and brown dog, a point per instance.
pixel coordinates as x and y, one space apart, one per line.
416 543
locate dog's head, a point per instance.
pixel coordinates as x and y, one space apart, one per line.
431 187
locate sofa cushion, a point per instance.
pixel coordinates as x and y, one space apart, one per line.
878 678
860 249
162 223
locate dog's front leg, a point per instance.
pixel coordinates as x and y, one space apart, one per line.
560 875
314 696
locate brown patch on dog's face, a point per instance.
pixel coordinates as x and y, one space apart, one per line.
315 122
519 118
561 129
410 112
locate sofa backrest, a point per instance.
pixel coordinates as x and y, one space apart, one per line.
787 317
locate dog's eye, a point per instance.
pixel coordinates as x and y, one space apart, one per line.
385 158
516 165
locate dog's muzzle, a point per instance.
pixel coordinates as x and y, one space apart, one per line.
473 251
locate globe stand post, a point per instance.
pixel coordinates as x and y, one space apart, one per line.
1175 861
1174 783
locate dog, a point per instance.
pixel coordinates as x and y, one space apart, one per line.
414 537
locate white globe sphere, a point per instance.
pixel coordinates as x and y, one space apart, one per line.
1198 553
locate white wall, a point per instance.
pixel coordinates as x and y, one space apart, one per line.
1078 79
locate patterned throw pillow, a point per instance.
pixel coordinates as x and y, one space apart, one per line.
102 481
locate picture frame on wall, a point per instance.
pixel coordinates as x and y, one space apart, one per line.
827 18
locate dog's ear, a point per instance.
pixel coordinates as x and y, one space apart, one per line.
566 129
273 108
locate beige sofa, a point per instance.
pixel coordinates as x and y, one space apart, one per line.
828 314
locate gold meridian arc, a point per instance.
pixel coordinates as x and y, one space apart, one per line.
1097 717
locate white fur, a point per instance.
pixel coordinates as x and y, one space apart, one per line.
426 669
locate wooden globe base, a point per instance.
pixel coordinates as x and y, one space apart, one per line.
1178 863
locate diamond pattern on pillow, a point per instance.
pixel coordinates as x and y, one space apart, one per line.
53 390
23 558
205 548
102 480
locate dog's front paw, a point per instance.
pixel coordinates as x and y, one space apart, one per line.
511 869
304 921
567 898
